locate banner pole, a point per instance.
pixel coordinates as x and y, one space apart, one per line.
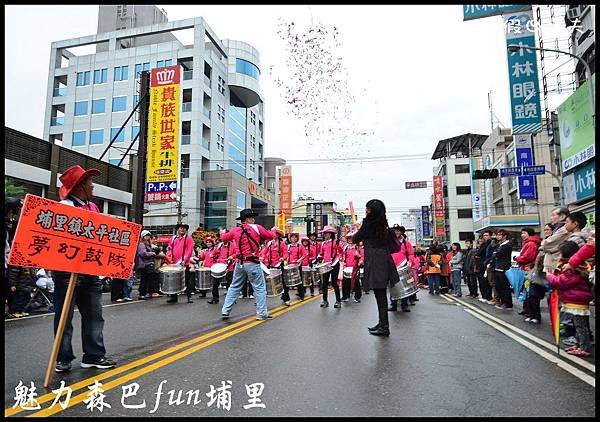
64 314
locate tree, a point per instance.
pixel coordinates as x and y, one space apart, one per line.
12 190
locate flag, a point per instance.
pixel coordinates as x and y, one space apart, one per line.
554 317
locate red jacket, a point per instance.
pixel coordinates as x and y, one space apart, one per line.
572 287
225 251
312 250
248 248
331 251
582 255
208 256
296 253
529 252
273 252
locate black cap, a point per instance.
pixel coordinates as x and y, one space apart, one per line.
399 227
246 213
187 226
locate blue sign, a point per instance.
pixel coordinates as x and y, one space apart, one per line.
476 11
510 172
160 187
425 226
585 181
524 157
524 86
534 170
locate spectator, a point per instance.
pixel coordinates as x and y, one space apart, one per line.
45 283
536 292
116 289
547 230
434 260
500 264
469 268
575 224
558 217
445 274
21 282
490 269
159 259
456 265
128 286
529 252
144 263
481 265
550 247
575 289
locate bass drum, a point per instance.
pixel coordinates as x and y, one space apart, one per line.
291 275
309 277
203 278
406 286
273 281
172 279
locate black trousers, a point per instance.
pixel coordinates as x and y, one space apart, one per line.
189 285
484 287
382 305
583 332
247 289
471 280
503 288
333 277
228 279
116 289
346 286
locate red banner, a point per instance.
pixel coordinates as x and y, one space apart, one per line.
285 188
60 237
438 205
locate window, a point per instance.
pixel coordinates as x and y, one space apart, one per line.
78 139
119 104
160 63
98 106
466 236
83 78
465 213
139 67
241 200
113 132
136 99
221 86
461 168
221 113
220 143
81 108
219 166
100 76
246 68
114 161
463 190
121 73
96 137
185 165
134 132
252 141
252 118
168 62
116 208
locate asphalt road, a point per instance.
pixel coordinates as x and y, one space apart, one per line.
446 357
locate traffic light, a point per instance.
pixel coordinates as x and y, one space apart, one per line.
485 174
309 219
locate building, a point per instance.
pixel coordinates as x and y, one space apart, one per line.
36 165
90 97
454 166
498 202
310 215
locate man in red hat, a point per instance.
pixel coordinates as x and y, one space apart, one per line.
78 190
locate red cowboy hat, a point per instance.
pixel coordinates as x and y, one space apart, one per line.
72 177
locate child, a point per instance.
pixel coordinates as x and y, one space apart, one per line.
575 290
537 291
21 282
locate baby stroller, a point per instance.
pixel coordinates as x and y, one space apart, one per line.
42 294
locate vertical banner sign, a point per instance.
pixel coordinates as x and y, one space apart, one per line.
352 213
524 157
163 135
476 190
438 205
523 74
425 227
285 191
281 221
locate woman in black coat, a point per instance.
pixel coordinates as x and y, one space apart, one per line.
379 269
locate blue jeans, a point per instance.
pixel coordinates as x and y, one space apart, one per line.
128 287
87 296
456 278
434 282
254 274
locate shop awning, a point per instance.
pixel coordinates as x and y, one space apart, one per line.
506 221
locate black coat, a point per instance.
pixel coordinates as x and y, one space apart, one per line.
380 271
501 257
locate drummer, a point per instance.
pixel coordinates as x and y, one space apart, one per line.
331 253
296 254
309 258
274 255
351 257
405 253
224 254
207 257
180 251
317 247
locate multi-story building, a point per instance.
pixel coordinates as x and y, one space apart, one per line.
455 155
497 202
319 213
90 96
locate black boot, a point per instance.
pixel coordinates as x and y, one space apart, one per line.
213 301
172 299
375 328
381 331
393 306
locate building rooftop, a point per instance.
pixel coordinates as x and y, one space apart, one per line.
458 144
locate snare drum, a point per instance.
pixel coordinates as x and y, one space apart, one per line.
203 278
172 279
348 272
323 268
406 286
218 270
309 277
291 275
273 282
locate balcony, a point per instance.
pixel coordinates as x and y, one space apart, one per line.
185 139
206 112
57 121
186 107
188 74
60 92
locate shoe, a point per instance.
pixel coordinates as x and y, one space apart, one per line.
171 300
460 295
344 299
224 316
393 308
431 293
482 300
412 304
119 300
356 300
406 309
190 300
142 298
102 363
578 352
380 331
534 321
570 341
312 295
251 297
263 318
436 293
527 319
522 313
213 301
62 367
324 304
571 348
128 299
287 303
155 295
375 328
337 305
415 299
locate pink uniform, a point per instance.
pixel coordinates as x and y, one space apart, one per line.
182 249
296 253
311 254
350 255
273 252
206 255
224 252
331 251
247 238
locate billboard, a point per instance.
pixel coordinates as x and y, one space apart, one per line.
524 157
476 11
581 184
415 185
576 128
285 190
438 205
163 135
425 227
476 190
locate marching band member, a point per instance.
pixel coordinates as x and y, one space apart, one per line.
206 256
309 258
223 254
180 251
357 287
296 255
406 253
317 245
331 253
352 259
274 255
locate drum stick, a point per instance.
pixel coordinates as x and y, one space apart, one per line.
61 328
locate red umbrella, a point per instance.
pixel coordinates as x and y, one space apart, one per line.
554 317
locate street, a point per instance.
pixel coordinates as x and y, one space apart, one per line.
446 357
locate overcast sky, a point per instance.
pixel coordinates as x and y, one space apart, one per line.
418 74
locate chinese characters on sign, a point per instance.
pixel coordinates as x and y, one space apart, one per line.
59 237
415 185
285 191
163 135
426 228
524 157
438 205
476 11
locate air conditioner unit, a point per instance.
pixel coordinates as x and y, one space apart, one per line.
573 13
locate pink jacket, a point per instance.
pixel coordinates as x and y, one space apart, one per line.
311 253
176 247
349 257
248 248
207 255
331 252
225 251
406 252
296 253
273 252
572 287
583 254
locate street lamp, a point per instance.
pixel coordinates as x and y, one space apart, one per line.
513 48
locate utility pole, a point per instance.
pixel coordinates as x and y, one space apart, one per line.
180 196
141 155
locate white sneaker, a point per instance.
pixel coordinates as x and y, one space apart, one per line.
527 319
251 297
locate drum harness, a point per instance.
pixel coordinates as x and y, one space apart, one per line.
271 257
173 246
228 246
252 258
